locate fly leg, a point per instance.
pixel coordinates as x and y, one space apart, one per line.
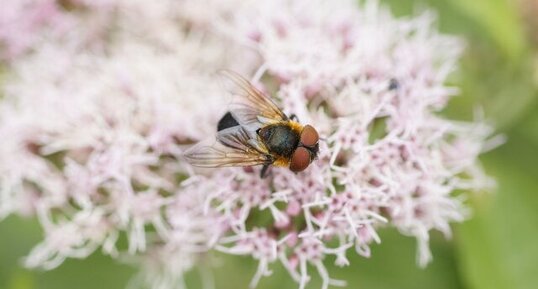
268 162
294 117
264 170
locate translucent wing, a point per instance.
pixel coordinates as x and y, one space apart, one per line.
234 147
251 106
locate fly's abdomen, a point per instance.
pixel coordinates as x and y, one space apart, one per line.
279 139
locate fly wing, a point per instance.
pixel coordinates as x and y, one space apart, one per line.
234 146
251 106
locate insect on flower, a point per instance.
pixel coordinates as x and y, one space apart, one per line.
256 132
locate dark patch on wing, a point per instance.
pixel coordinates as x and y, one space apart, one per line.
227 121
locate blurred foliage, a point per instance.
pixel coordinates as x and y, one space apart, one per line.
497 248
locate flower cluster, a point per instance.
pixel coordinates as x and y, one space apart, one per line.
95 121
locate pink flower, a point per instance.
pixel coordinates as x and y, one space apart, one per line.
22 22
95 120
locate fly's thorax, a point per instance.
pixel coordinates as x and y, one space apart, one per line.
281 139
295 126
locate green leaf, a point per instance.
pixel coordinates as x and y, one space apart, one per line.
529 124
20 235
21 279
500 19
497 248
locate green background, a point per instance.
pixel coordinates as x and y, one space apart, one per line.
497 248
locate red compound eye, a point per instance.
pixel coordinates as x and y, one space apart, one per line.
309 136
300 159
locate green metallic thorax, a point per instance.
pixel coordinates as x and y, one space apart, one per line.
279 139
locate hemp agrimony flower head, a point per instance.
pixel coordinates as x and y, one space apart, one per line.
95 123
